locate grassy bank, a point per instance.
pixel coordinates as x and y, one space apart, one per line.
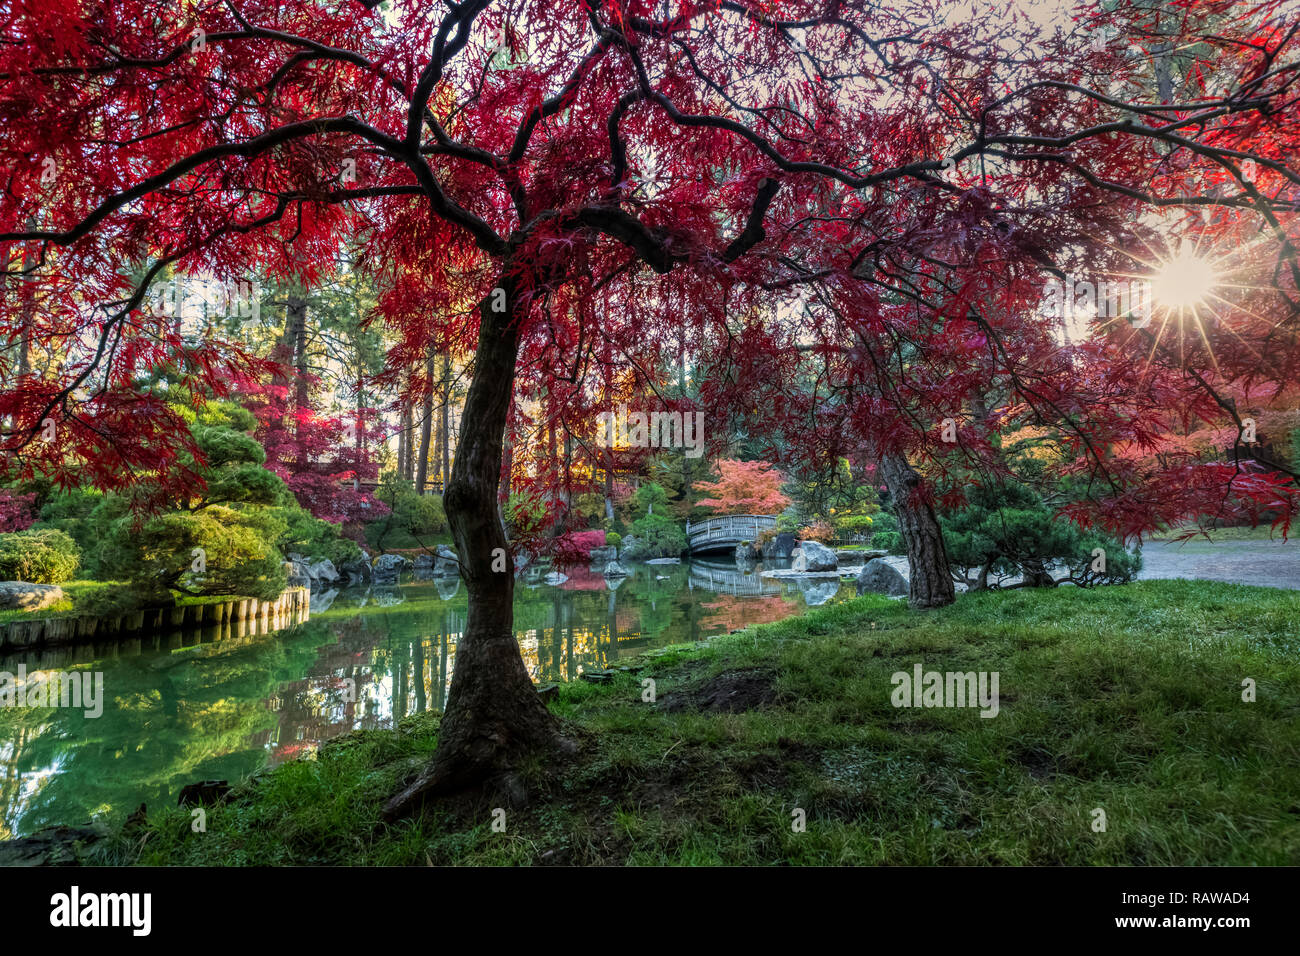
101 599
1126 699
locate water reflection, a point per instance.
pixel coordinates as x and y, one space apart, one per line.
181 708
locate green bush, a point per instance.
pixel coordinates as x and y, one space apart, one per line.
106 599
425 515
414 513
38 556
891 541
613 539
849 525
882 521
651 498
70 511
313 537
657 536
216 551
1006 529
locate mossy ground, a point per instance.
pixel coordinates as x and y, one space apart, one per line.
1127 699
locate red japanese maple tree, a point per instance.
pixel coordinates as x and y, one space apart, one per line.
743 487
869 194
319 457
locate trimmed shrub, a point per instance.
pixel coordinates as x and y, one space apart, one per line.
216 551
38 556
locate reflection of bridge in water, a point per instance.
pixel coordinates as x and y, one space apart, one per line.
728 579
725 532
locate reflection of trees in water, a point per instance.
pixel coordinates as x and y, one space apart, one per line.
223 710
170 718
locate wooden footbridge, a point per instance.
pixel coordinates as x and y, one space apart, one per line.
725 532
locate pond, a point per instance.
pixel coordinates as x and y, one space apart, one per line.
178 710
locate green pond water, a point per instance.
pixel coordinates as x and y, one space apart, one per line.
183 708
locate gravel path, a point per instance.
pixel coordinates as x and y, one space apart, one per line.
1274 564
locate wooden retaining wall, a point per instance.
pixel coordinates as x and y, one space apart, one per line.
234 618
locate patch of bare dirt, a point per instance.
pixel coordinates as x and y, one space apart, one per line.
731 692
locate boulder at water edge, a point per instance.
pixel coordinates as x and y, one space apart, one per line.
445 562
322 572
387 567
779 547
812 556
881 577
357 572
28 597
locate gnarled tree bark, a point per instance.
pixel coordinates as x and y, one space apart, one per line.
494 716
930 579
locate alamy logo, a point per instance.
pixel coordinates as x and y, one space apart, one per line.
616 429
1129 299
74 909
950 689
229 299
82 690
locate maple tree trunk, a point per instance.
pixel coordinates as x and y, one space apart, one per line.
494 716
930 579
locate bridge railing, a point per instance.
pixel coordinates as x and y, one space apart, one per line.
727 529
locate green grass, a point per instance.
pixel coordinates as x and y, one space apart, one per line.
73 593
1126 699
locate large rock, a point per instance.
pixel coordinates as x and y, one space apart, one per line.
28 597
53 846
615 570
441 563
849 557
747 554
356 572
780 547
387 567
812 556
323 572
203 793
297 573
881 577
445 562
